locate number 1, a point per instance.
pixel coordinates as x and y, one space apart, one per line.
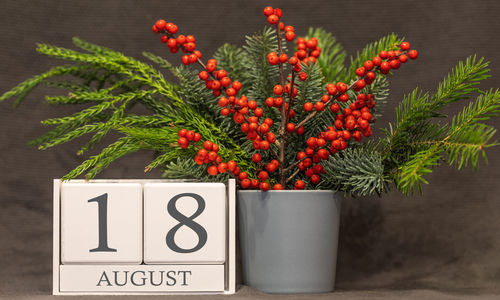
102 203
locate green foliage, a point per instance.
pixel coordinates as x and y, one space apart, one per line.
331 60
262 75
414 144
107 85
110 83
356 171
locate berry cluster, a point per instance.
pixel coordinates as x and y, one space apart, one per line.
352 123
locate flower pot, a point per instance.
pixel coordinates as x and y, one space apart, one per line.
289 240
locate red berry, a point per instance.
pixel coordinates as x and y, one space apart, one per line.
385 67
341 87
370 76
181 39
383 54
377 61
268 11
185 60
311 142
283 58
230 92
273 59
264 186
190 39
277 186
225 81
315 179
192 58
290 127
278 12
190 47
223 101
293 60
203 75
212 170
319 106
211 67
303 76
308 106
155 29
413 54
182 133
245 183
270 167
395 64
208 145
290 36
331 89
270 102
335 107
222 167
403 58
160 24
360 71
172 29
360 84
343 98
300 185
312 43
197 137
236 85
278 90
264 145
404 46
190 135
273 19
183 142
256 157
368 65
263 175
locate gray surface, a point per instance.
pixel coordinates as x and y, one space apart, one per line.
448 239
289 240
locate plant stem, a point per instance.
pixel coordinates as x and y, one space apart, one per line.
282 132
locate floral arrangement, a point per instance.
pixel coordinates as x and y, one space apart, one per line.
270 117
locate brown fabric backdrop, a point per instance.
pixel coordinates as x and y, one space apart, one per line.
447 239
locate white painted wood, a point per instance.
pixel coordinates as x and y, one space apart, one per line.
158 222
56 240
231 239
80 223
137 278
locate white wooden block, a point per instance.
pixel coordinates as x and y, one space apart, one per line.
142 278
184 223
101 223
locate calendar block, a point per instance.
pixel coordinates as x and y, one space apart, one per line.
144 237
101 223
184 223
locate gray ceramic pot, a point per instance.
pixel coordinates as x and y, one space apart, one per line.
289 240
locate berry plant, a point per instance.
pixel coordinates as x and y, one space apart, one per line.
270 117
270 141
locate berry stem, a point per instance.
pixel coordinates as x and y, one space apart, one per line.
282 132
292 176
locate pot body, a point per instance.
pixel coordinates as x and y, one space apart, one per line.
289 240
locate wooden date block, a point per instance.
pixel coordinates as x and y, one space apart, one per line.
184 223
101 223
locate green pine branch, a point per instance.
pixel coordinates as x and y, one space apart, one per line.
332 58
